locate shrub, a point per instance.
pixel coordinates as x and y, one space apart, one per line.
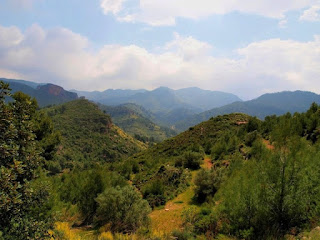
192 160
123 209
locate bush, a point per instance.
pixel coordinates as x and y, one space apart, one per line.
122 209
205 185
192 160
154 193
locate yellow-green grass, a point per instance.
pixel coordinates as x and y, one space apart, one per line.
169 218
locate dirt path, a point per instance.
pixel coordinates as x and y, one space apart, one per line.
268 144
207 164
169 218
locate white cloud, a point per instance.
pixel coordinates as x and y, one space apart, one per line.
165 12
312 14
188 48
112 6
10 37
65 58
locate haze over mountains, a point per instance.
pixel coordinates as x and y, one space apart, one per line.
163 98
168 106
150 114
265 105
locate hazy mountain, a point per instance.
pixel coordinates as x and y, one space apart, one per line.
28 83
167 106
46 94
163 98
110 96
205 99
267 104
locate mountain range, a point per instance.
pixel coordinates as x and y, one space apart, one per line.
45 94
169 106
162 112
265 105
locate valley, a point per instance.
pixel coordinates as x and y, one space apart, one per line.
233 176
159 120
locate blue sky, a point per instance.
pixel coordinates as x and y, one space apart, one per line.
244 47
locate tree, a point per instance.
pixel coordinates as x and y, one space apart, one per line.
278 192
20 157
123 209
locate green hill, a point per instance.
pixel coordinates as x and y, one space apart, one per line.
89 136
162 171
133 119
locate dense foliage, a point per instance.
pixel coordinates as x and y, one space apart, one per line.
258 190
102 198
26 141
163 171
88 136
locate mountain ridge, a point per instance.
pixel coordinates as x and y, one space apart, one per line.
45 94
267 104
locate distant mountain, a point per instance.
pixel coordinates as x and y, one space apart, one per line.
109 97
46 94
267 104
167 105
136 121
205 99
28 83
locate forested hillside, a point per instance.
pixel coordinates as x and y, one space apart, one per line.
136 121
88 136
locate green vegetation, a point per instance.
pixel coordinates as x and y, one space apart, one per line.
24 146
88 136
232 177
135 121
123 209
163 171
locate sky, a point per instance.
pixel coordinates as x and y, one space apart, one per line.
243 47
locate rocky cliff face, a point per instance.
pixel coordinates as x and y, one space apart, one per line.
50 94
45 94
57 91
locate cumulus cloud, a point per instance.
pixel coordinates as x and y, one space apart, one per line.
312 14
63 57
165 12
